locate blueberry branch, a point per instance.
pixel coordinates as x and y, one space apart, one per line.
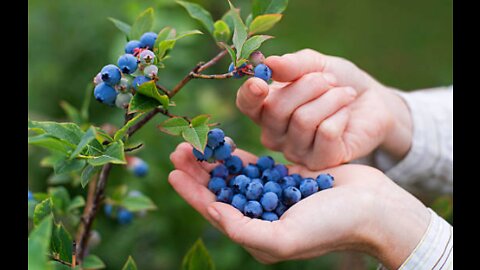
213 76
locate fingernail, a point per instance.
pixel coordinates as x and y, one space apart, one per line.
351 91
213 213
330 78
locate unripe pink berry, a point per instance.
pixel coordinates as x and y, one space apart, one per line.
257 58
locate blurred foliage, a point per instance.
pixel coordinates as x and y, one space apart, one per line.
404 44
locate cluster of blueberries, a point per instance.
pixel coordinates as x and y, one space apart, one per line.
264 190
260 70
113 84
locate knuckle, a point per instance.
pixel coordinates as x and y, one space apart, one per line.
302 119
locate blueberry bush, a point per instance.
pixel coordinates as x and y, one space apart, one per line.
62 229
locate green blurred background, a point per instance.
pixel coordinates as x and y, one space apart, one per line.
405 44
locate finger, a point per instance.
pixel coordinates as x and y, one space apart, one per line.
281 103
250 97
334 126
248 232
183 159
292 66
195 194
308 117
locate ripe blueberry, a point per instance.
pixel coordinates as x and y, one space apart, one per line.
207 154
234 164
298 178
216 136
105 94
127 63
281 208
124 216
239 201
265 162
271 175
220 171
258 180
225 195
253 209
325 180
251 171
308 187
148 40
111 74
238 73
263 72
254 191
222 152
291 195
282 169
269 216
216 183
240 183
138 166
287 181
108 209
139 80
132 45
269 201
274 187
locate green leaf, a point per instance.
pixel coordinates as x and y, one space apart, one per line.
164 47
228 19
253 44
102 137
260 7
87 174
38 244
199 13
231 52
60 198
69 132
241 61
72 113
248 20
121 132
75 203
240 30
264 23
174 126
149 89
113 154
42 210
31 207
201 119
188 33
138 203
61 243
124 27
141 103
92 262
197 258
222 32
89 136
129 264
197 133
59 179
67 166
142 24
51 143
119 192
49 161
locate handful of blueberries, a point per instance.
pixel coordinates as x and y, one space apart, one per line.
264 190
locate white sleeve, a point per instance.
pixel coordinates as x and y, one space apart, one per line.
428 165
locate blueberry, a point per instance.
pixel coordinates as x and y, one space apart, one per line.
234 164
138 166
257 58
148 40
265 162
281 208
239 201
150 71
271 175
222 152
132 45
146 57
237 74
269 201
134 193
291 195
139 80
111 74
263 72
230 141
298 178
220 171
282 169
253 209
123 99
308 187
216 183
124 85
254 191
269 216
251 171
225 195
274 187
108 209
325 180
127 63
240 183
124 216
287 181
207 154
215 137
97 79
258 180
105 94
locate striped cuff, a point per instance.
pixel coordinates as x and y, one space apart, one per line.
435 250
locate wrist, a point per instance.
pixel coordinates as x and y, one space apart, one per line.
398 137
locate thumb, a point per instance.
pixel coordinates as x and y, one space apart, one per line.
250 97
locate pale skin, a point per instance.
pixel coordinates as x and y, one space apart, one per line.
321 111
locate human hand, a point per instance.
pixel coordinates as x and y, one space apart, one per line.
323 111
364 211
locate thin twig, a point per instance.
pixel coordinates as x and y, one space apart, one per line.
212 76
59 260
133 148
